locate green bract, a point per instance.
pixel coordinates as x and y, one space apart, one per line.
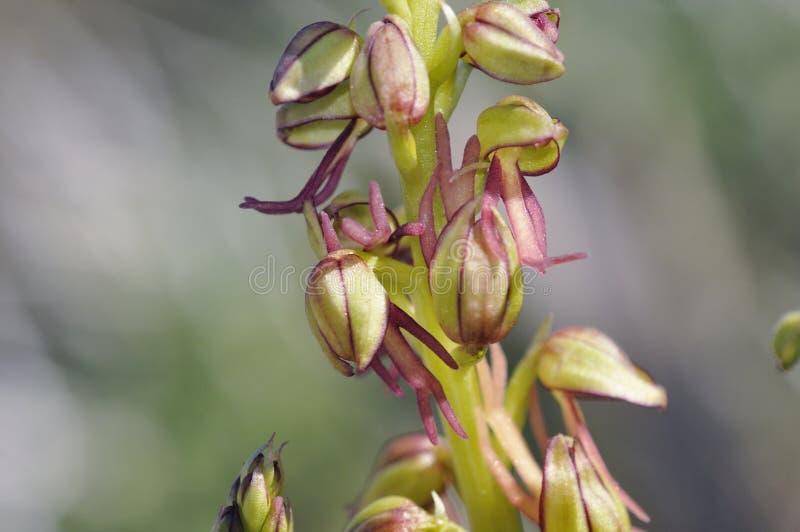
522 127
477 293
347 309
318 58
389 83
506 44
586 362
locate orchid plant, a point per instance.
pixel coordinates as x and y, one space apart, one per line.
421 293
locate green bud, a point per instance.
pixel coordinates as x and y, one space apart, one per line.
319 57
317 124
389 83
574 496
259 482
398 514
477 290
507 45
520 125
409 466
347 309
786 342
584 361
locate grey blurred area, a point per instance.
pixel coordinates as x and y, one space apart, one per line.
139 366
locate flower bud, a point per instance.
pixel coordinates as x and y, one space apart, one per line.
389 82
317 124
507 45
260 482
398 514
347 309
585 362
786 342
318 58
574 496
409 466
522 125
477 290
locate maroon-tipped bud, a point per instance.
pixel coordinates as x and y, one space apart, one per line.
347 309
389 83
475 281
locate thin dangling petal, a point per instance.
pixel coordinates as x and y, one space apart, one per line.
576 425
325 177
513 492
491 198
389 378
421 381
527 219
399 317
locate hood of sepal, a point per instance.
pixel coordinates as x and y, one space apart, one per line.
522 125
585 362
506 44
319 57
389 81
347 309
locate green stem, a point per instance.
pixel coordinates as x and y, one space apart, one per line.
487 508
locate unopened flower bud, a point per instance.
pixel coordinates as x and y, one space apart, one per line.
584 361
409 466
389 82
787 340
347 309
319 123
574 496
260 482
398 514
521 125
477 289
319 57
507 45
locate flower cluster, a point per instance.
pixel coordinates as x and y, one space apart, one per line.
470 231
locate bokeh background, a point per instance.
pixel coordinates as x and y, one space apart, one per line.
138 367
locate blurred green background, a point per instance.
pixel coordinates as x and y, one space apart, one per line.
138 368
